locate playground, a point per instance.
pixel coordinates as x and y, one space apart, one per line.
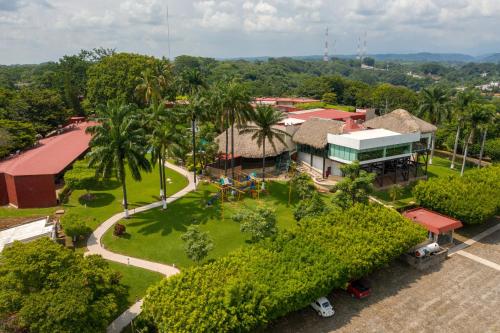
156 234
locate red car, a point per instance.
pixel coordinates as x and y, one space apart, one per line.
358 289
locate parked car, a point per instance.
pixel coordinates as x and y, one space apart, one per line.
358 289
323 307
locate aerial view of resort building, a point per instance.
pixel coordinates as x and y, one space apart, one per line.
249 166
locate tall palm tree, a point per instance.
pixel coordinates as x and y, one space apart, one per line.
155 120
148 89
240 111
193 84
118 140
461 104
263 128
434 107
491 115
218 102
478 114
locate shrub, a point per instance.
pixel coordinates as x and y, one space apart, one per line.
80 177
198 243
492 149
473 198
312 207
253 285
259 224
303 185
119 230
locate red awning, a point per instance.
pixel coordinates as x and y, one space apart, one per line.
432 221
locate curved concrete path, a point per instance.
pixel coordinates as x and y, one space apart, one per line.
95 246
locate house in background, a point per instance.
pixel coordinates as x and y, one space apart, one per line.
30 179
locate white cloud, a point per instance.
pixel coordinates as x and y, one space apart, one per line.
40 30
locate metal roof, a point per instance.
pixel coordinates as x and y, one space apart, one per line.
432 221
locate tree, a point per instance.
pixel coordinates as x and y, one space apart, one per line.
263 128
491 115
75 226
15 135
355 187
479 115
116 76
198 243
118 140
329 97
260 224
310 207
435 107
395 192
46 288
302 184
461 105
369 61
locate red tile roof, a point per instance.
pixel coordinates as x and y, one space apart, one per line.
52 155
332 114
286 99
432 221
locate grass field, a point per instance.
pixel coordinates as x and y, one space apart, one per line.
156 234
106 198
136 280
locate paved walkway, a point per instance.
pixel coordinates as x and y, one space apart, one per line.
95 246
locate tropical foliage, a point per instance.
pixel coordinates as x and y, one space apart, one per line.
355 187
472 199
198 243
254 285
45 288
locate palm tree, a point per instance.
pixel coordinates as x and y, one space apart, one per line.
157 122
193 83
491 116
117 140
263 128
218 102
434 107
462 102
240 111
478 114
148 89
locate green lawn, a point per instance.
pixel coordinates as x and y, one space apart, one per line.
108 196
156 234
136 280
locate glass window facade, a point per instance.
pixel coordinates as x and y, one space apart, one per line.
310 150
349 154
344 153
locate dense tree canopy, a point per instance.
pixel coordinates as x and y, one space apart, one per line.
45 288
253 285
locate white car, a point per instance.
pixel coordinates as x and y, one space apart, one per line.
323 307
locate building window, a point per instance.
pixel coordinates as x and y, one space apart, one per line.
371 154
397 150
344 153
310 150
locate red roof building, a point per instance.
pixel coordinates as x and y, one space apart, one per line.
331 114
28 180
437 224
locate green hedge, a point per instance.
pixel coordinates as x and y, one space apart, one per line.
250 287
473 198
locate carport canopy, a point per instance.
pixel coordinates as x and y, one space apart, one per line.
432 221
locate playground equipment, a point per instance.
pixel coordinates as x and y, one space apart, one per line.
229 188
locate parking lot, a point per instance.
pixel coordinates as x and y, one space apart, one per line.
461 295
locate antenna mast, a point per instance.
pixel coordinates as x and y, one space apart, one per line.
168 32
325 56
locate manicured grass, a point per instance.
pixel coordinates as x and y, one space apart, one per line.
136 280
441 167
8 212
156 234
107 196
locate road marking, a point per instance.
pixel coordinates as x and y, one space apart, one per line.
479 260
473 240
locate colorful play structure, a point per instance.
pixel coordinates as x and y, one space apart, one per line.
232 190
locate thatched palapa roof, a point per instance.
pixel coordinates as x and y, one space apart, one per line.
400 121
246 147
314 132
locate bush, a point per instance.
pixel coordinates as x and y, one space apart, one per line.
312 207
198 243
119 230
492 149
472 199
80 177
75 226
259 224
248 288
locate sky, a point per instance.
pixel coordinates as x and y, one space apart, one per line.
34 31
